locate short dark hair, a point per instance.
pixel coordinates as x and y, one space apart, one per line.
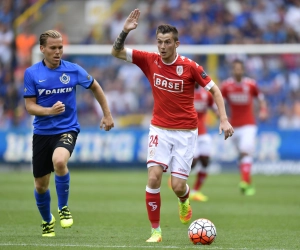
167 28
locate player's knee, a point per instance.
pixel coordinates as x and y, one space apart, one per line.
59 164
154 176
154 181
42 183
179 188
41 190
41 187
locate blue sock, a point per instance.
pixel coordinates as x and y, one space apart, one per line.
43 204
62 189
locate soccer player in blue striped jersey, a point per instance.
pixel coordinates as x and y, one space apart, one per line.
50 96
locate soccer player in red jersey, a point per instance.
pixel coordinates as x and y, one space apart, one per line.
203 101
173 129
239 92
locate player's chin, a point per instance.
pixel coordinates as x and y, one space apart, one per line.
55 63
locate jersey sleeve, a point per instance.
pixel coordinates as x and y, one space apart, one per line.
201 77
29 86
84 79
255 89
257 93
138 57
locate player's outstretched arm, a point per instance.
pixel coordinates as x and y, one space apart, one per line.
224 124
107 121
130 24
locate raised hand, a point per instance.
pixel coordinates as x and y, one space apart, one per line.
132 21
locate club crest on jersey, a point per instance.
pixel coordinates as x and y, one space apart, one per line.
179 70
64 78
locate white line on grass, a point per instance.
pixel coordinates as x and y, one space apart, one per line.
139 247
90 246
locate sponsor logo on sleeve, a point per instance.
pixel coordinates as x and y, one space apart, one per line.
203 75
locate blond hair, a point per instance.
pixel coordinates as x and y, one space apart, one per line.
49 33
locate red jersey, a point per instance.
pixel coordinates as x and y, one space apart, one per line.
203 101
172 86
239 96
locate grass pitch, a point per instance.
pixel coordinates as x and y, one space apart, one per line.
109 212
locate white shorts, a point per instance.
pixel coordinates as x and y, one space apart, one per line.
172 149
244 138
204 146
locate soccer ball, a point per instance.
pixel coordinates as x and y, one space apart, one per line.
202 231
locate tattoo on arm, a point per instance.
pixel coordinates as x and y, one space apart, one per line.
119 42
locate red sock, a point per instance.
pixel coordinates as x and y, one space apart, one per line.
186 195
201 176
245 169
153 208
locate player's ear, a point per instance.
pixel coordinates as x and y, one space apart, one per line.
42 48
177 44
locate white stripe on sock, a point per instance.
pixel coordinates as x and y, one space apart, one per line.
152 191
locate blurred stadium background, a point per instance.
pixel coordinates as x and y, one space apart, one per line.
243 25
109 208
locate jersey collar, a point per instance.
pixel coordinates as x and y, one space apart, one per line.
236 82
171 62
43 61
